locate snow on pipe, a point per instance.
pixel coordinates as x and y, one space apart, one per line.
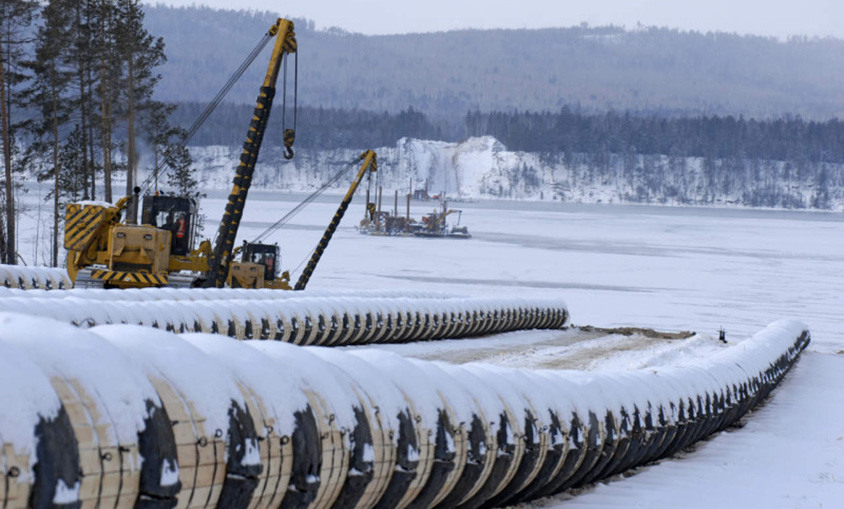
133 417
324 321
33 278
183 294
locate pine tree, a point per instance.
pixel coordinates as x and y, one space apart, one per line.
82 61
49 96
141 54
107 73
16 17
72 177
182 176
172 158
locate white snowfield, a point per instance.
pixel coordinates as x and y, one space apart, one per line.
367 425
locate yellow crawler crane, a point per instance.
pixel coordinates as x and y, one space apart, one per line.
105 252
258 263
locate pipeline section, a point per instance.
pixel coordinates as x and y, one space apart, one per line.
128 416
34 278
353 319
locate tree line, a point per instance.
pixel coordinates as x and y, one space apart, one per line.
77 87
767 163
317 128
718 137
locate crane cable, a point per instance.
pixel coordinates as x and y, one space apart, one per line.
311 253
289 135
298 208
207 112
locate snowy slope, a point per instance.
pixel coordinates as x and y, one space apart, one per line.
482 168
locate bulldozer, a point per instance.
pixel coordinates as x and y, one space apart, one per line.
104 251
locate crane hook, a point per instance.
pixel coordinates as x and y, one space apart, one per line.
289 137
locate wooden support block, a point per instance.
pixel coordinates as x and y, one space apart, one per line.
187 455
130 490
110 484
201 497
205 475
207 454
89 488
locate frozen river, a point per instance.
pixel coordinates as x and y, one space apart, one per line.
670 268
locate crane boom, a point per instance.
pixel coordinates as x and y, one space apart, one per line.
224 245
370 163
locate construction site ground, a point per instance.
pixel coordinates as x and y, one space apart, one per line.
572 348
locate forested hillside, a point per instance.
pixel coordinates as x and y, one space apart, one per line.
444 75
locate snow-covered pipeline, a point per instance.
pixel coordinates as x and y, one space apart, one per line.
305 318
123 413
28 278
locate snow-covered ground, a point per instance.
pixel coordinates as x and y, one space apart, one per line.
667 268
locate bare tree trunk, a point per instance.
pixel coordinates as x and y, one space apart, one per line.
132 170
106 127
55 257
91 137
9 244
4 249
83 111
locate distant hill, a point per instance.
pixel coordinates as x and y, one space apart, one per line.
446 74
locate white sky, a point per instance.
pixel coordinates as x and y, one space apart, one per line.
762 17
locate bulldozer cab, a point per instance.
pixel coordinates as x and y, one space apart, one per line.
263 254
177 214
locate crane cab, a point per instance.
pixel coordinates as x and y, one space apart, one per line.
176 214
266 255
258 268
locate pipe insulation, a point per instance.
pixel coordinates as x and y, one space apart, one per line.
130 416
341 319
